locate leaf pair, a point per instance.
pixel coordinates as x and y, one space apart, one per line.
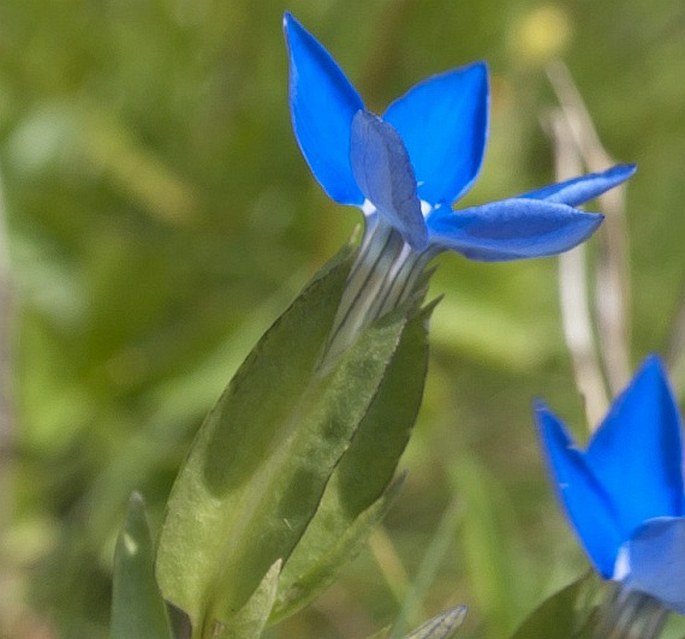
292 467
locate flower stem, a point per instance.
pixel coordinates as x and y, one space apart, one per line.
630 615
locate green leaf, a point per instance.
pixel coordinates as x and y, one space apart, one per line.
565 615
251 620
259 465
352 503
440 627
138 610
219 493
316 572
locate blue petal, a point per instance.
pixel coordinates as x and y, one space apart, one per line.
588 506
443 122
381 166
637 452
581 189
511 229
656 557
322 105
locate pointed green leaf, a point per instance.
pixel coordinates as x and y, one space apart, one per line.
349 509
319 572
565 615
138 610
284 497
440 627
261 460
234 449
251 620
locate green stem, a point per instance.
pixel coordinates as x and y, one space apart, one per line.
630 615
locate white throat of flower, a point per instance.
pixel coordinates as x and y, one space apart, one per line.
386 273
622 564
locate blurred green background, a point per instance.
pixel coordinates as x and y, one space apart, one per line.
159 216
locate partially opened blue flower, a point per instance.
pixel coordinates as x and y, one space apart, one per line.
625 493
405 169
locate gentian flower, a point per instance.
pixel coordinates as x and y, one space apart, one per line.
406 168
625 493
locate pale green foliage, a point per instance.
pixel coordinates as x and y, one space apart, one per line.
249 622
443 626
138 610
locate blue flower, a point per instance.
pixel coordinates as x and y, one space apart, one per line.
406 168
625 494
